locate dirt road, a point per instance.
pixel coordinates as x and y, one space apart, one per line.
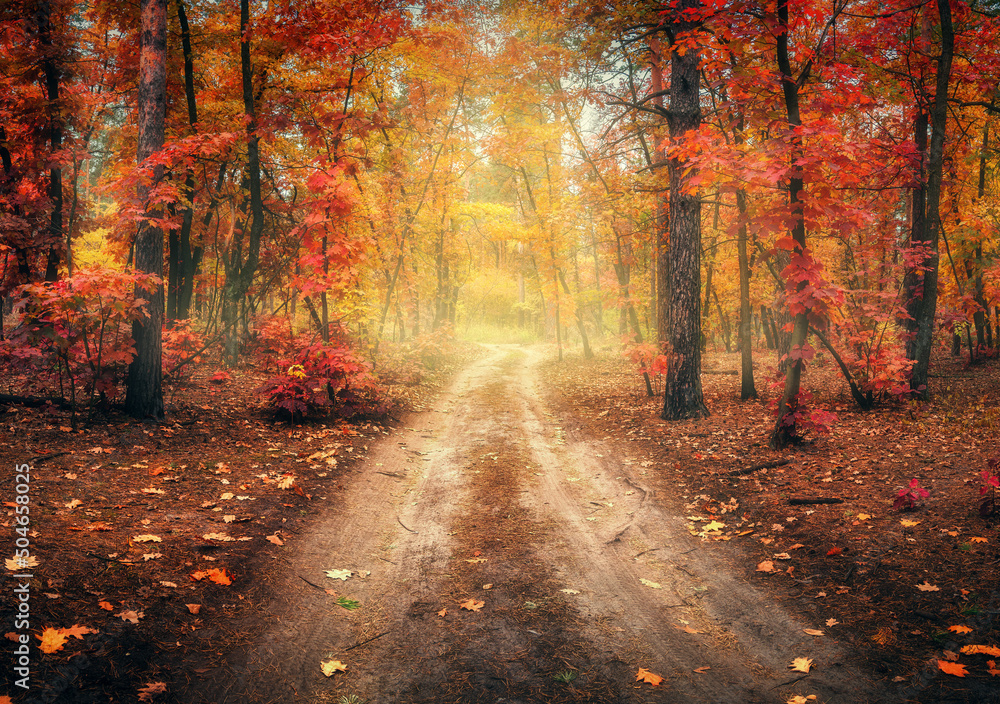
586 572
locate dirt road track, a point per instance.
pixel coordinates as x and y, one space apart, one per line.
497 487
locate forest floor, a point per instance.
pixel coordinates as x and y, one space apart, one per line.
528 531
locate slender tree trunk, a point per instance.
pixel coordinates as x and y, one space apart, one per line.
785 431
748 389
144 393
683 397
662 215
50 74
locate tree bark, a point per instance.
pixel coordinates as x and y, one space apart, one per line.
144 392
921 348
50 74
683 397
785 431
748 389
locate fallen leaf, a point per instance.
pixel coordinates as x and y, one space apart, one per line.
147 556
981 650
833 552
151 690
702 670
796 546
17 564
218 576
651 585
688 629
952 668
221 537
74 503
330 666
342 575
131 616
151 490
831 622
193 608
569 591
170 585
12 636
927 587
286 481
812 632
476 559
53 639
992 668
228 518
782 556
443 612
765 566
978 540
907 523
275 539
801 664
645 675
864 517
472 605
105 605
960 629
799 699
714 527
78 631
147 539
487 587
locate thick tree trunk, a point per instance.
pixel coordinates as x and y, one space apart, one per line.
683 397
50 74
922 342
144 393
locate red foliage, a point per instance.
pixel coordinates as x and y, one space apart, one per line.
907 498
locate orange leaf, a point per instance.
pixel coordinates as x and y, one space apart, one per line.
443 612
960 629
981 650
765 566
105 605
833 552
801 664
927 587
472 605
52 640
992 665
645 675
952 668
193 608
218 576
702 670
688 629
78 631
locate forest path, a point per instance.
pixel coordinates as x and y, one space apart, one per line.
586 573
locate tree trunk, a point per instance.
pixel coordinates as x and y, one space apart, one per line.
144 393
748 389
920 351
50 73
683 397
785 431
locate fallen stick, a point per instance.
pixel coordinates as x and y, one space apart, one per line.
758 467
815 500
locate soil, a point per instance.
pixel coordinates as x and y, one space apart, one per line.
529 532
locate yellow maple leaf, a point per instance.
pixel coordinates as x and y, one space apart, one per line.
645 675
952 668
472 605
960 629
907 523
330 666
801 664
981 650
52 640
